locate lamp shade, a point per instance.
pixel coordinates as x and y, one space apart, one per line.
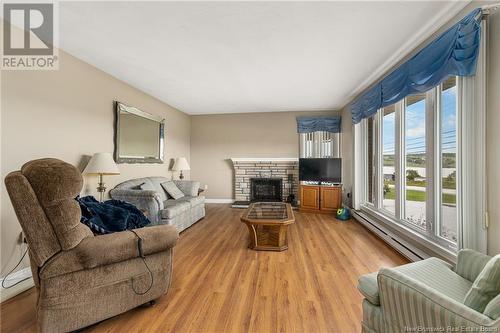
181 164
102 163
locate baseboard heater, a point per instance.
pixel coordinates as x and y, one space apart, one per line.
398 244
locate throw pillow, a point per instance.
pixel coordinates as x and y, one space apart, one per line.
493 308
485 287
172 190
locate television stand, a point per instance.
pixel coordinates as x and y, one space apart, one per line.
318 198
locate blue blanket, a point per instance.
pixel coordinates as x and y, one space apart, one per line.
111 215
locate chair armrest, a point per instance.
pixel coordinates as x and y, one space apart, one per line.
145 200
111 248
409 303
188 187
470 263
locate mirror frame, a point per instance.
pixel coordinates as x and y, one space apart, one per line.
130 109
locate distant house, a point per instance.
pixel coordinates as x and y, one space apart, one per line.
390 176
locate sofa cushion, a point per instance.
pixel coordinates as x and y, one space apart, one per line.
188 187
193 201
174 208
432 272
147 186
492 310
438 275
367 285
172 190
153 184
486 286
470 263
373 320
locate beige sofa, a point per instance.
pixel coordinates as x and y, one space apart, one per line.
159 206
80 278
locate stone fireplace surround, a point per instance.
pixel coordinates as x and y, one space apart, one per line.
246 168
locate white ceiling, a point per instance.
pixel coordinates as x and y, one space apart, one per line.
230 57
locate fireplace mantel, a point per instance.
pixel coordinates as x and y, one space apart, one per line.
264 159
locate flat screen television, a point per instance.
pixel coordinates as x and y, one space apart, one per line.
320 170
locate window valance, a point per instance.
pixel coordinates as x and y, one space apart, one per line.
315 124
455 52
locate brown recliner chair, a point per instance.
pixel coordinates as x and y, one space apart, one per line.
82 279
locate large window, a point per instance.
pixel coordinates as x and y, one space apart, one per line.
411 153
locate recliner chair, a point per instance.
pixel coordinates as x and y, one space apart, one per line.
82 279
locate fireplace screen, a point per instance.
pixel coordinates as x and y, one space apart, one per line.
266 189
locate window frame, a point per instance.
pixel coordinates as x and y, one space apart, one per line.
433 164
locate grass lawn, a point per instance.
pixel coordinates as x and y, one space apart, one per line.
448 184
414 195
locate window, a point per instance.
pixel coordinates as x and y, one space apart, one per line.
388 158
370 167
448 160
415 160
410 165
319 144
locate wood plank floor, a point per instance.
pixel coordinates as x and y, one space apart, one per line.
219 285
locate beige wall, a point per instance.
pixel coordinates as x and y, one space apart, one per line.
493 123
217 138
68 114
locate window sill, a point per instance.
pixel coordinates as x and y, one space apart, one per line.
426 245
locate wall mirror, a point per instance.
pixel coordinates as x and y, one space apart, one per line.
139 136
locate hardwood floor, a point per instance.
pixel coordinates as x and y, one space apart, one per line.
219 285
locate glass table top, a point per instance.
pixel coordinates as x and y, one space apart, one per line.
268 211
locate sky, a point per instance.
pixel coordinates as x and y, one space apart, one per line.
415 126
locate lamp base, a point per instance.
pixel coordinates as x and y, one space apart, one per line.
101 188
181 176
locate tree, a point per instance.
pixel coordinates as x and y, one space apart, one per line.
411 175
386 188
452 176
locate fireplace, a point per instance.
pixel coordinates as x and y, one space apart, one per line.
266 189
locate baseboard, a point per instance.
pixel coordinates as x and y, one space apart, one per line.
219 201
392 240
20 275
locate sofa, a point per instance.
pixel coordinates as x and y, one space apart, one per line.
81 278
427 296
158 205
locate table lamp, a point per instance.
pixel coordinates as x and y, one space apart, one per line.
101 164
179 165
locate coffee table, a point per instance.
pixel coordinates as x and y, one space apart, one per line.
267 224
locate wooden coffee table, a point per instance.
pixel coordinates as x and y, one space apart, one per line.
267 224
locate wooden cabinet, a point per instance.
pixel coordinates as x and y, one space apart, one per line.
320 199
309 197
330 198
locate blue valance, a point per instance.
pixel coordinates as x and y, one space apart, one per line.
454 52
315 124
